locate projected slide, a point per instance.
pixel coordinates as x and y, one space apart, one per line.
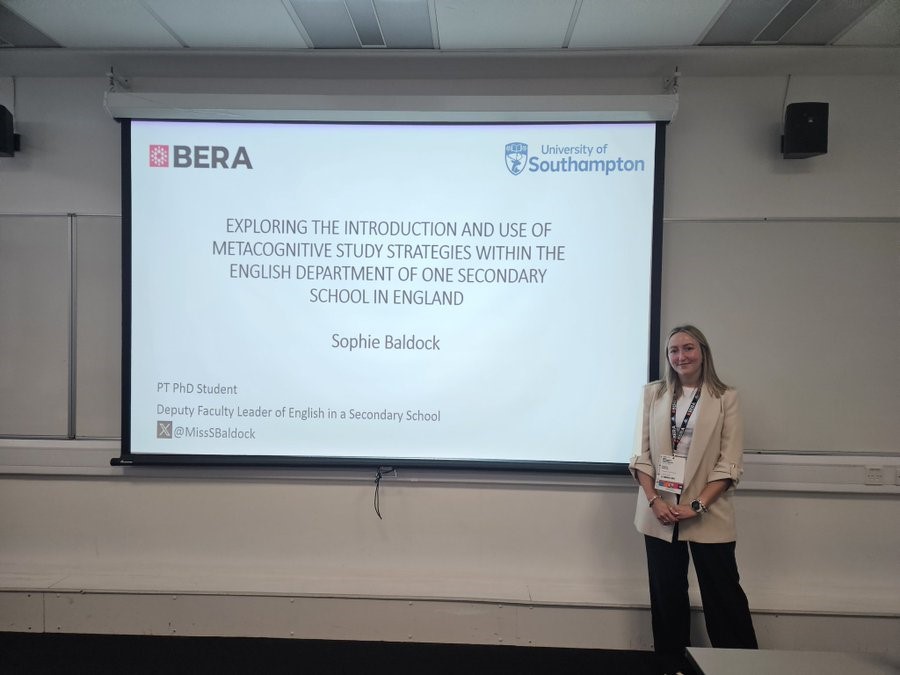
388 292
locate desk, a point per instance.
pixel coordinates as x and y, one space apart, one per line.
778 662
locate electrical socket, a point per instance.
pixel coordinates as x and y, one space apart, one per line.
874 475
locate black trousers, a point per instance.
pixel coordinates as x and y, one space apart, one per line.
725 606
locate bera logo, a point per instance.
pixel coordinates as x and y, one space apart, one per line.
516 155
199 157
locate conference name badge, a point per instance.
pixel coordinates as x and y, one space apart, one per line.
670 474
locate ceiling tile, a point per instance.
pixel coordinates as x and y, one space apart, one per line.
785 20
610 24
825 21
96 24
229 24
742 21
880 27
328 23
405 24
17 32
362 13
500 24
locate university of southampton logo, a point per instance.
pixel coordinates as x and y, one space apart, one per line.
516 154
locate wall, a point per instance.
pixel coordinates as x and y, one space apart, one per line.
503 558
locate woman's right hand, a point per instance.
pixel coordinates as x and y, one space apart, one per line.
664 512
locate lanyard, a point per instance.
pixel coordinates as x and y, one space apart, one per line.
677 433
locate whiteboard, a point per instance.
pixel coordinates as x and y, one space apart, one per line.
803 319
98 326
34 306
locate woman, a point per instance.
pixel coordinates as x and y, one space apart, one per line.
687 461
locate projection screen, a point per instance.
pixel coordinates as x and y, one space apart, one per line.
374 294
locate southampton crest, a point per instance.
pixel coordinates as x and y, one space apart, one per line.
516 154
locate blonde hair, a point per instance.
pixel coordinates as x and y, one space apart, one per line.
708 376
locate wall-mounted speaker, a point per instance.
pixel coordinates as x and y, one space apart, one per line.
9 139
805 130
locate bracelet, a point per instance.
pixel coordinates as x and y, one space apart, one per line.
650 503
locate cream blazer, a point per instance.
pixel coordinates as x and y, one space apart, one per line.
716 452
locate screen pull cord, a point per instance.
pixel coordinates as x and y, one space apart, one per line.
379 474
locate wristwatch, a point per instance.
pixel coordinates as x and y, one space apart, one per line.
698 507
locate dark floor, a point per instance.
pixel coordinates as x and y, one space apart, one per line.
39 653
